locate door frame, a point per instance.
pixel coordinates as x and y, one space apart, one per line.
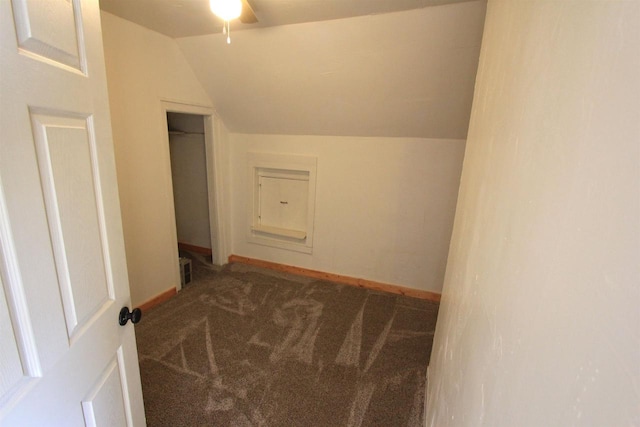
213 154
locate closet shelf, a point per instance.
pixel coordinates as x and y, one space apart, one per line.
277 231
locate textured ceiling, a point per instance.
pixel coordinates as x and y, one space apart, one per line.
183 18
402 74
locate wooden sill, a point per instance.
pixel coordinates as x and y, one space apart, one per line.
277 231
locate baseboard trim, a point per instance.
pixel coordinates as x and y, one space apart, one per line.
361 283
158 299
194 248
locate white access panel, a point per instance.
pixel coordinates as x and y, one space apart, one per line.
283 194
283 202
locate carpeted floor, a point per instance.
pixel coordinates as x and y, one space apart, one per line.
251 347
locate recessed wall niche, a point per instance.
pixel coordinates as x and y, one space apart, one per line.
282 190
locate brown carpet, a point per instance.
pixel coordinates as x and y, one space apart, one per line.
252 347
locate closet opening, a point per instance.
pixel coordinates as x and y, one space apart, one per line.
191 193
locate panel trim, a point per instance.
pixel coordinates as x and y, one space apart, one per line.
53 216
125 386
16 298
81 328
338 278
87 402
97 189
19 312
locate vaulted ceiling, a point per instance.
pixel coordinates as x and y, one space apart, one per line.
407 73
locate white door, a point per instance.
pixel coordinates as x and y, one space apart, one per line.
64 359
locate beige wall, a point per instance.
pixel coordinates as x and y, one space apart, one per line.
143 68
539 323
384 206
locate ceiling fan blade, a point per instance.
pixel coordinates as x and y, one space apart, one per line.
247 16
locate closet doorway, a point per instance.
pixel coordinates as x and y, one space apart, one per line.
204 197
188 156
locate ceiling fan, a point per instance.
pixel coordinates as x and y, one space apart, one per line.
232 9
247 16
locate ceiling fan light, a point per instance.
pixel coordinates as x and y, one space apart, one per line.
226 9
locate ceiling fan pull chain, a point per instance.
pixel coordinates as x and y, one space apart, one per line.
228 33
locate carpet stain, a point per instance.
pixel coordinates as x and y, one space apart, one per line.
380 342
360 404
349 354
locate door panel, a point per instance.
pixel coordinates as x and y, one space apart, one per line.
66 157
17 335
50 29
64 278
98 407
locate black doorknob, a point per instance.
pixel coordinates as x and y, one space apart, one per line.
125 315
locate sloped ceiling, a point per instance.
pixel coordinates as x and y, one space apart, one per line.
401 74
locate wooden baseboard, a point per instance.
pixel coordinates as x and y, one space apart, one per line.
194 248
158 299
361 283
